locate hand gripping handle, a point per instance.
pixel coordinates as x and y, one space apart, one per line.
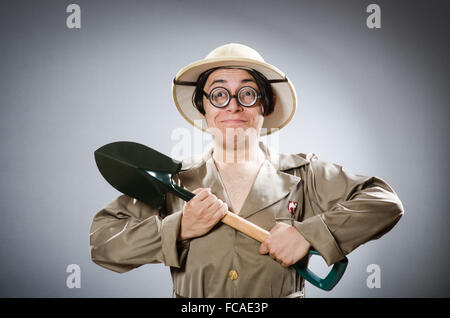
259 234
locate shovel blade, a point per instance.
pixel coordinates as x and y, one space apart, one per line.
125 164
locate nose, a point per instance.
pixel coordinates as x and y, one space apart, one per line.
234 106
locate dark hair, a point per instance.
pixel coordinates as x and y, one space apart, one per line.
263 85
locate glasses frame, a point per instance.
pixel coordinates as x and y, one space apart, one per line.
230 97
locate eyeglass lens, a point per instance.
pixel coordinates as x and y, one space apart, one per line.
220 97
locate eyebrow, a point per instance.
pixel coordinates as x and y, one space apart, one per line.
246 80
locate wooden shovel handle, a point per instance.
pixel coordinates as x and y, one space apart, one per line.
244 226
231 219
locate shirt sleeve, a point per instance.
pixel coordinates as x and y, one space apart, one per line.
345 210
128 233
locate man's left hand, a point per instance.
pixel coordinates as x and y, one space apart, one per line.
285 244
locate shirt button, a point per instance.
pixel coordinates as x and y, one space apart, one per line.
233 275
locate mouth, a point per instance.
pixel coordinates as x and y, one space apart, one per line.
233 121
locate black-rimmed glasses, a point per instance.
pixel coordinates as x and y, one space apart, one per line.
220 97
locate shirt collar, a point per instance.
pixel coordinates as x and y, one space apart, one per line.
271 183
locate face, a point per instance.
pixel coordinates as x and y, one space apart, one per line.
234 116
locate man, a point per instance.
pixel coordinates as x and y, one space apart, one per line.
304 202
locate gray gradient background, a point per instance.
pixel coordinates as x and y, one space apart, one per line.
374 101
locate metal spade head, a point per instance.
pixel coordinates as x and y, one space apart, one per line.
130 168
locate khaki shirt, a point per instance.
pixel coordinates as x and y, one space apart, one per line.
334 210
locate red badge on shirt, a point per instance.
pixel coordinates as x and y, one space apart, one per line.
292 207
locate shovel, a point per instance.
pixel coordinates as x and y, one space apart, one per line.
146 175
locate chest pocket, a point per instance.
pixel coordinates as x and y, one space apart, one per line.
291 207
288 209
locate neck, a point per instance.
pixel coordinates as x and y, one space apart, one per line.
233 153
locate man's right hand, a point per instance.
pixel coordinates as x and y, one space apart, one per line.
201 213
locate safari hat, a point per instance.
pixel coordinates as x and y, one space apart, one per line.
238 56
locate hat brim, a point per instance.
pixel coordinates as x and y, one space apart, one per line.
286 99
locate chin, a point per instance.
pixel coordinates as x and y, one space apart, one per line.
231 131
